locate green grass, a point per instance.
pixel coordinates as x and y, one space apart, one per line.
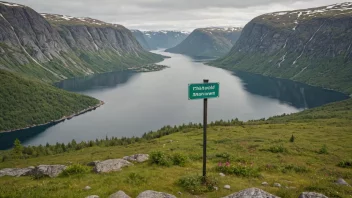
25 102
242 145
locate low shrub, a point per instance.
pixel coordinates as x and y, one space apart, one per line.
226 156
195 184
135 179
295 168
75 169
323 150
161 158
239 170
277 149
271 167
292 139
4 158
164 159
179 159
345 164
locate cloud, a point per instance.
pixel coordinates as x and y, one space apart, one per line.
171 14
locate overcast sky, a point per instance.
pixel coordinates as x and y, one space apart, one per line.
171 14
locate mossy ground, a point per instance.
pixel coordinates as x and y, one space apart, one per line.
248 144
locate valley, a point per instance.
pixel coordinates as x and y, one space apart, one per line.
153 40
94 99
208 42
242 95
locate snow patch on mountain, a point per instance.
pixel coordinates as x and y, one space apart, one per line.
339 7
10 4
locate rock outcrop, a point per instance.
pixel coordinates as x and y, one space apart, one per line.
55 47
137 158
341 181
154 194
39 171
311 195
313 46
119 194
208 42
48 170
111 165
92 196
251 193
16 172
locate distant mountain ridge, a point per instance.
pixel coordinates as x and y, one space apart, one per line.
208 42
160 39
54 47
139 35
313 46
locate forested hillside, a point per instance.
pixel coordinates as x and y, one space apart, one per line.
25 102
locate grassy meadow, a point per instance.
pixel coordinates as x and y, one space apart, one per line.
310 162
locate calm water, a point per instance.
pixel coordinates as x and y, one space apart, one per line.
141 102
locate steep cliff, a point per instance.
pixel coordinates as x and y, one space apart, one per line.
312 46
208 42
164 38
56 47
141 39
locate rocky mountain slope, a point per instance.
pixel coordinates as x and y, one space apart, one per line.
312 46
208 42
141 39
27 103
56 47
164 38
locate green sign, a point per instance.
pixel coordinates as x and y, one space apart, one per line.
203 90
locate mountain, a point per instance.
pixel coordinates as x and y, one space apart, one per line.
56 47
208 42
141 39
28 102
312 46
164 38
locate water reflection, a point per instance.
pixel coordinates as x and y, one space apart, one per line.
296 94
7 139
106 80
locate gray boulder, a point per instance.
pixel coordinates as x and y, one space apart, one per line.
87 188
137 158
252 193
228 187
341 181
16 172
48 170
119 194
311 195
277 185
111 165
93 196
154 194
265 184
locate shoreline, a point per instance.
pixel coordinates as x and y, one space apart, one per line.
312 85
64 118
